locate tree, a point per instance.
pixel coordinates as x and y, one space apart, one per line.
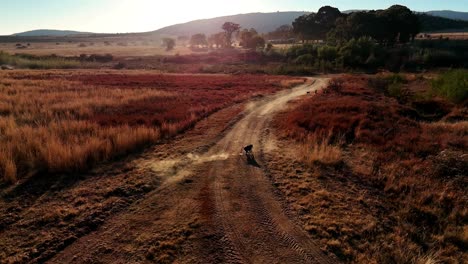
169 43
305 27
283 32
356 25
250 39
358 52
257 42
198 40
182 39
396 24
316 25
325 19
400 24
218 40
229 29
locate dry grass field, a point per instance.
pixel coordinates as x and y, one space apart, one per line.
380 177
452 36
67 121
121 48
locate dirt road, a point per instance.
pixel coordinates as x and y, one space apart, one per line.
212 207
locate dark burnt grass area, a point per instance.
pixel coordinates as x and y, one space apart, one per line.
191 97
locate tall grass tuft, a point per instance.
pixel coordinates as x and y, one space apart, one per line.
453 85
318 147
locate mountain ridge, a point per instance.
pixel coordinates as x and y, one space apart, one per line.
262 22
49 32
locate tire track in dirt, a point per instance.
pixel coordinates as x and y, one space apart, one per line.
251 218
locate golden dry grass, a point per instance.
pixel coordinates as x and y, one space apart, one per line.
319 148
399 194
119 48
44 125
450 35
68 121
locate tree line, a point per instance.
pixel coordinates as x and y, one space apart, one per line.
397 24
364 40
248 38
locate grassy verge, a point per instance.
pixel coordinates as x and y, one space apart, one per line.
453 85
383 178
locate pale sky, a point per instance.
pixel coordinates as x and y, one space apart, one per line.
122 16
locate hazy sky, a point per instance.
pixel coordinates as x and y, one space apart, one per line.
111 16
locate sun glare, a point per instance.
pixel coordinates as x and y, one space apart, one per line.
151 14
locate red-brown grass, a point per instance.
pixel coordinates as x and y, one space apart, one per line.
414 167
67 122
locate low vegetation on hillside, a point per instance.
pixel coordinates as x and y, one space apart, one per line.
67 122
382 171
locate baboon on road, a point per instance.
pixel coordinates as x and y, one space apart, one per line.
248 149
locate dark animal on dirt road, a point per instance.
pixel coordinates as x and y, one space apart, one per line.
308 92
250 156
248 149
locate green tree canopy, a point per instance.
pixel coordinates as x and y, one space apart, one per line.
395 24
316 25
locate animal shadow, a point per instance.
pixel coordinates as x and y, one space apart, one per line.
251 160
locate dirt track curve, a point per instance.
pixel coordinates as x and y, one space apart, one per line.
232 203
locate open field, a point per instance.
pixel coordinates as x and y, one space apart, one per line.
175 202
62 121
120 49
323 136
380 173
444 35
369 159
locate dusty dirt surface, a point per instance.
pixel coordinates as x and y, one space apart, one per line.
207 204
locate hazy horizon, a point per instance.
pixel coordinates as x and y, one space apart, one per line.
123 16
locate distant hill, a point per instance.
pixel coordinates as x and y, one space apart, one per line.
267 22
432 23
439 13
262 22
49 32
450 14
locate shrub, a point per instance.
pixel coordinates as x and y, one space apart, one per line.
452 85
168 43
306 59
120 66
440 58
328 53
296 51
